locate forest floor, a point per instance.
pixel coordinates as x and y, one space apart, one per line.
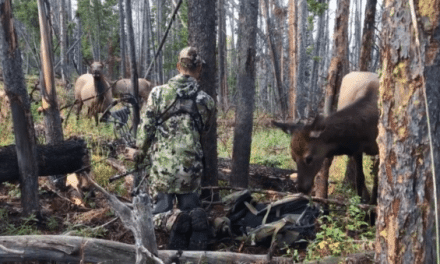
340 232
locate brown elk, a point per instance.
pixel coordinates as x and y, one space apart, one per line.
351 130
123 86
93 90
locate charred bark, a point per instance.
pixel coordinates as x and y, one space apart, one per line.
20 107
61 158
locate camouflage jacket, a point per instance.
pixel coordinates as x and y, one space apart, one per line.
171 138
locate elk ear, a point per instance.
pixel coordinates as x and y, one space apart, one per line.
317 127
288 128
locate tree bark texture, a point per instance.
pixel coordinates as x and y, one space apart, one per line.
274 53
133 68
222 55
122 37
405 226
15 89
202 35
368 36
301 90
293 56
61 158
241 152
339 65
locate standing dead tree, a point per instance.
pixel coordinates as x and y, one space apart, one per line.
246 90
20 105
52 119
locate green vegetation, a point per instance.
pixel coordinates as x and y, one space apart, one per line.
342 234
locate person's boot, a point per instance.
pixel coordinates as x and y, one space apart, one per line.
188 201
164 203
180 232
200 230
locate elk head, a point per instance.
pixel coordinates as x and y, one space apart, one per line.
308 150
96 69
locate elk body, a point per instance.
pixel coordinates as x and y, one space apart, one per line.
351 130
124 86
93 91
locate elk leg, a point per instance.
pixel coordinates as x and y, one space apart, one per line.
375 172
78 109
360 179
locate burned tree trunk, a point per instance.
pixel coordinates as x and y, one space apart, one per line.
409 134
246 90
201 28
20 107
61 158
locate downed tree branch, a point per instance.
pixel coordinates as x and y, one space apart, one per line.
139 220
68 248
61 158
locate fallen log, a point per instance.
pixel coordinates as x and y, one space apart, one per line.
76 249
65 157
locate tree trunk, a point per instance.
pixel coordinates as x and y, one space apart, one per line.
63 41
79 65
133 67
52 119
248 18
293 57
367 36
301 89
147 35
275 60
159 36
222 55
15 89
62 158
202 35
409 134
122 38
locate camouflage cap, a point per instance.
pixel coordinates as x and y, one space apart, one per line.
189 55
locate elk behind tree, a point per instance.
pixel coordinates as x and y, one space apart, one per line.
352 130
124 86
93 91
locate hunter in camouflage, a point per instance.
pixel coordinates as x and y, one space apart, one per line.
176 152
176 117
173 136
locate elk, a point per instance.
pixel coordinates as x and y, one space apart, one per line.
351 130
123 86
93 90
